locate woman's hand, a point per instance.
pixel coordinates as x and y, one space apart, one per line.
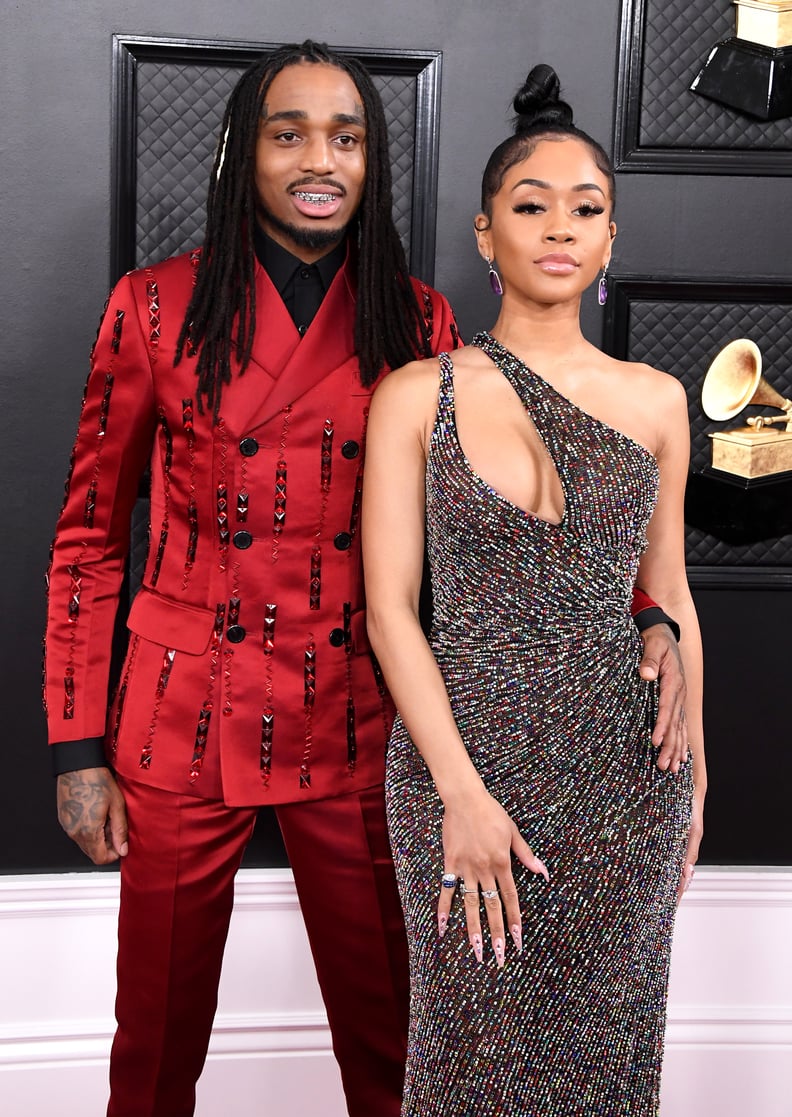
695 835
479 838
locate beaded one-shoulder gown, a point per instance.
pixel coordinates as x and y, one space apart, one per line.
533 635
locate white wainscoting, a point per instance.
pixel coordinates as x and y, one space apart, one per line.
729 1043
729 1036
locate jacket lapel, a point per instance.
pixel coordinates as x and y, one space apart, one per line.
283 366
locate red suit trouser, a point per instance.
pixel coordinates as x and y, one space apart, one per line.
177 886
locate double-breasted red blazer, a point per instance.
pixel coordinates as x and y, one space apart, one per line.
248 675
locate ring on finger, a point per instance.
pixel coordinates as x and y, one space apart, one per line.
489 893
449 880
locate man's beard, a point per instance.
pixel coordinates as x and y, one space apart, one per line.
303 236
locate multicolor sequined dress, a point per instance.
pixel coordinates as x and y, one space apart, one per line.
533 635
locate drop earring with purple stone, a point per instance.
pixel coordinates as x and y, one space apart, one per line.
602 287
494 278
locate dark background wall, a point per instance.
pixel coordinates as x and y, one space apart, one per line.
55 75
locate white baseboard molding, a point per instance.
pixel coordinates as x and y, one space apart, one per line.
761 887
97 892
729 1018
262 1035
720 1026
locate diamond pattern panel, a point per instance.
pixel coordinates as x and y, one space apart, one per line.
682 337
398 97
179 113
677 39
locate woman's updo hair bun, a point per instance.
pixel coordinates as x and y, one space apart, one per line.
540 114
538 102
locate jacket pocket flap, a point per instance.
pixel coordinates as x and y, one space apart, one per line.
171 624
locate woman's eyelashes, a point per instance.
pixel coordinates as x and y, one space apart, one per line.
584 209
589 209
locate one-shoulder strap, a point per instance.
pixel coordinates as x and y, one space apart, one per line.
549 410
445 402
527 385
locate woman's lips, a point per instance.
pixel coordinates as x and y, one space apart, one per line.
557 263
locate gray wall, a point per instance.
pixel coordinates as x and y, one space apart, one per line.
54 197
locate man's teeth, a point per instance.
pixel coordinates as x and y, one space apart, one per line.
314 199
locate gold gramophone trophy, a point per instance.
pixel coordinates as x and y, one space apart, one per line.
734 381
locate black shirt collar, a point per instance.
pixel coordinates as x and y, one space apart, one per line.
281 265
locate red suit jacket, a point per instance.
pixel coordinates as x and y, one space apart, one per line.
248 675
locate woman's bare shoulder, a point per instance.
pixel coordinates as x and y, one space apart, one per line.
409 392
414 373
651 385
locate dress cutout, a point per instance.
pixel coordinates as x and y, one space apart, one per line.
533 634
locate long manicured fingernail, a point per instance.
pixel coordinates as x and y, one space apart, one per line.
442 923
516 934
478 948
498 947
542 869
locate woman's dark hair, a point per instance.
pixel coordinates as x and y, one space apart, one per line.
221 316
540 115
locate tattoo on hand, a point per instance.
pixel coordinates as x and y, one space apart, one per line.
82 803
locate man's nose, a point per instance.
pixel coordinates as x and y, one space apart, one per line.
318 155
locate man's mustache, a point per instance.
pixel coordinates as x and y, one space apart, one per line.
312 180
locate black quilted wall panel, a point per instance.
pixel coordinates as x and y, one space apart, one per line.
679 327
660 123
179 110
678 37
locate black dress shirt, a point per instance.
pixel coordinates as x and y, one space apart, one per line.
301 286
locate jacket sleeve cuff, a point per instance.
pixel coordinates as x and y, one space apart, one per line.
655 615
70 756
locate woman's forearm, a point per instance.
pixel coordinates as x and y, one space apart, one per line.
417 687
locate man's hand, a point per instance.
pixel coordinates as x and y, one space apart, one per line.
91 810
661 660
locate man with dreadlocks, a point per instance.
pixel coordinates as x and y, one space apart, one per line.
242 374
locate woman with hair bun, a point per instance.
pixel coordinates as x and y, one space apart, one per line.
542 837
